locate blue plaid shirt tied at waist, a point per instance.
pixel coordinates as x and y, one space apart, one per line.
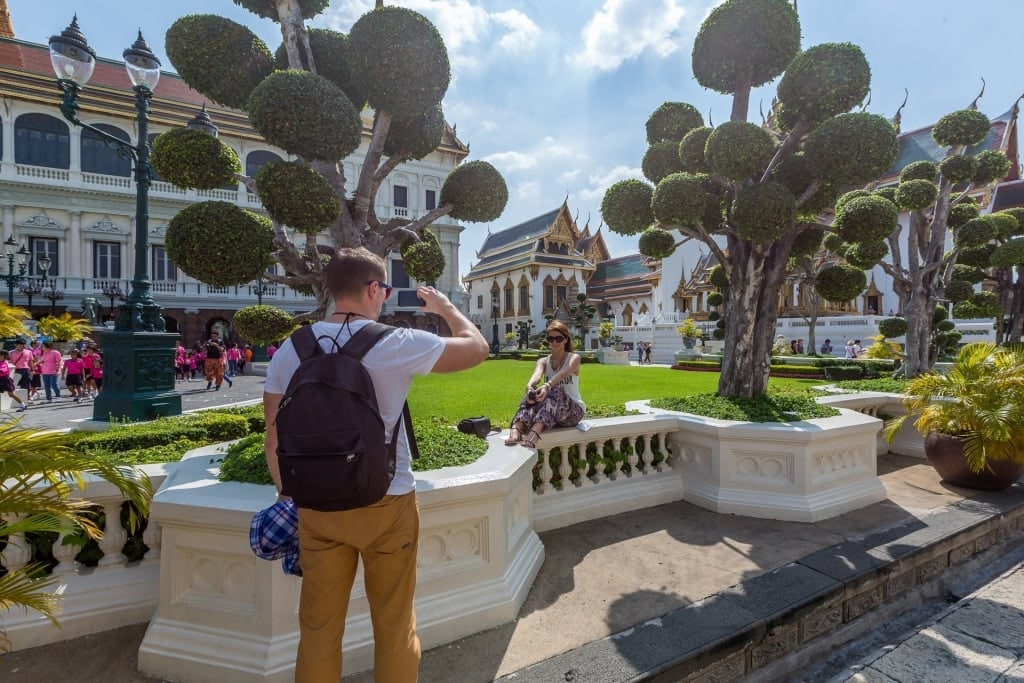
274 533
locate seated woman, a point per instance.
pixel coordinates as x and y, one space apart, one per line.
556 402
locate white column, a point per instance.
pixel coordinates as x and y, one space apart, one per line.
76 155
8 220
75 266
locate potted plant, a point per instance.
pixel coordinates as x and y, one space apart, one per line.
972 417
604 332
690 333
12 321
64 328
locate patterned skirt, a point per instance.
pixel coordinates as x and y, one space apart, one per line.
557 410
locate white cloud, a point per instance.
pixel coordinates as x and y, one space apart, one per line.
625 29
567 177
528 190
599 183
511 161
523 33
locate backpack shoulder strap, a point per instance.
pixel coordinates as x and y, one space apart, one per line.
304 342
365 339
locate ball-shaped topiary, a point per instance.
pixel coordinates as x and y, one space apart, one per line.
221 59
281 110
715 299
975 232
661 160
833 242
866 255
977 257
1005 223
993 165
714 316
672 121
679 199
739 150
423 258
960 213
887 193
192 159
919 170
795 173
1018 213
331 54
963 127
824 80
268 10
958 291
939 314
915 195
866 219
718 277
892 327
263 324
657 243
807 242
416 137
852 149
399 60
959 168
297 196
626 207
847 197
764 212
987 304
965 273
219 243
745 39
477 191
1009 254
691 150
840 283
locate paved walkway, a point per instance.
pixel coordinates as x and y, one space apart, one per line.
618 598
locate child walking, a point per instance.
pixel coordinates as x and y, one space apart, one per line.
6 382
72 374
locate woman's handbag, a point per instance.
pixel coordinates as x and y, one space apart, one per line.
480 426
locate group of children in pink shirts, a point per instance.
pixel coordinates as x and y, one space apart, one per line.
37 368
188 361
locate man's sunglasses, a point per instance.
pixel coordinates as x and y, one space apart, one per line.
383 285
558 338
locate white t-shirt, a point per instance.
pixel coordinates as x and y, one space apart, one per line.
391 364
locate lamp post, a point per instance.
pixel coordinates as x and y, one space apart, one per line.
139 368
261 288
12 252
495 344
112 291
49 286
30 289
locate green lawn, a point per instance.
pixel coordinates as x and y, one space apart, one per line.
495 387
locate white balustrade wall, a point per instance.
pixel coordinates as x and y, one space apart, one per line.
645 461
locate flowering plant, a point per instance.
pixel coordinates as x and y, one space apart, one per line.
689 329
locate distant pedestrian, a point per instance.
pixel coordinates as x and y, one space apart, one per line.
50 364
826 348
647 352
72 374
7 382
858 350
271 350
214 365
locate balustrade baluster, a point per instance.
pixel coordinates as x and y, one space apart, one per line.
633 459
114 536
565 469
617 472
16 554
65 556
648 456
664 465
584 466
545 472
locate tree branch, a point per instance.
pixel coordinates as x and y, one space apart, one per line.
363 197
787 147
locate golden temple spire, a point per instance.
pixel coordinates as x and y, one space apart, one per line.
6 28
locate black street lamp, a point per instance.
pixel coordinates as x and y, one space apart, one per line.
12 279
260 290
54 295
495 344
112 291
30 289
138 353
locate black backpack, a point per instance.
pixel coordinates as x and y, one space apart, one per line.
330 435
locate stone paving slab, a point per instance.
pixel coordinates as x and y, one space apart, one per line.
942 655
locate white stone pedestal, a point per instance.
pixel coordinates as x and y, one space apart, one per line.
609 356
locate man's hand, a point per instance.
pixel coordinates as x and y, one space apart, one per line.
434 301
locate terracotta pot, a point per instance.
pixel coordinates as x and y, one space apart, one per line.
945 453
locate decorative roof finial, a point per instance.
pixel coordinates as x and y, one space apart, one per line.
974 104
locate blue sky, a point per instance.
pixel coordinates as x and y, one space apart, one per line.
555 93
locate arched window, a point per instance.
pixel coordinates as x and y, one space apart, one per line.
255 161
99 157
42 140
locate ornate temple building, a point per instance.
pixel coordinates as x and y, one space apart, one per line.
69 199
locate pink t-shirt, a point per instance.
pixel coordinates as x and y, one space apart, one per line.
73 366
49 363
97 366
21 358
5 369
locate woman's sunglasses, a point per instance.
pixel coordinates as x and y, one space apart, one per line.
559 338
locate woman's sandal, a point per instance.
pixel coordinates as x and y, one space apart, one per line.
514 437
531 441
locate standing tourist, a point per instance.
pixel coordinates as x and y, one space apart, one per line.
50 364
213 366
385 534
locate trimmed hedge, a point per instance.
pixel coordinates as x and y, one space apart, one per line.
842 373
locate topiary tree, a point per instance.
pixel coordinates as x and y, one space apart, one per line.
307 99
999 264
751 193
262 324
936 200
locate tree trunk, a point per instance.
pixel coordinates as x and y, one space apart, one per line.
1016 310
918 311
756 273
741 98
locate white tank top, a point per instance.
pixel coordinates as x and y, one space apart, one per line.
570 384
